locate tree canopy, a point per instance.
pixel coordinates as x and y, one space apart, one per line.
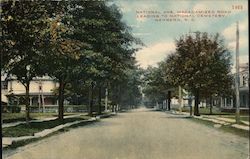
83 42
201 65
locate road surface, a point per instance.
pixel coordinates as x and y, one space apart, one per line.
140 134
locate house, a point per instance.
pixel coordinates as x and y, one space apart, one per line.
228 103
42 92
225 104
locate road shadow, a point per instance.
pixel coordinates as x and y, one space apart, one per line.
157 110
178 117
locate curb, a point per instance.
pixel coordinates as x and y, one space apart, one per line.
8 141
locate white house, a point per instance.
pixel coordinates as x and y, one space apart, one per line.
243 90
226 103
42 91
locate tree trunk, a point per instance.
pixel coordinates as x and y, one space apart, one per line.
27 102
169 100
190 105
117 107
196 102
180 99
61 99
106 99
100 100
91 100
211 105
118 98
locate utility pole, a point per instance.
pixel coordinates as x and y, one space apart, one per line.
180 99
106 99
237 113
39 97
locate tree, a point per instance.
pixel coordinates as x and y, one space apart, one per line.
63 55
201 65
157 87
150 89
23 28
129 90
71 41
91 43
111 42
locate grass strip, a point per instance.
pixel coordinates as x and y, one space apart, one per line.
34 127
15 117
224 128
17 144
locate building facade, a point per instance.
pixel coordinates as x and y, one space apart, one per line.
229 103
42 92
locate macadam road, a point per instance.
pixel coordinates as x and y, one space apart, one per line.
140 134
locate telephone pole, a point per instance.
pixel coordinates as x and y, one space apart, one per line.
180 99
237 112
106 99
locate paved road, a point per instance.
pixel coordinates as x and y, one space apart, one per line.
140 134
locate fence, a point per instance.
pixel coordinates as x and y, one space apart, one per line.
47 109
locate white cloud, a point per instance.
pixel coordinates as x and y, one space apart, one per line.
153 54
230 36
230 32
243 43
243 59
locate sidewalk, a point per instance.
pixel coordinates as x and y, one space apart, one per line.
7 141
217 120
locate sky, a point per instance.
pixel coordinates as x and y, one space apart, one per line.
159 36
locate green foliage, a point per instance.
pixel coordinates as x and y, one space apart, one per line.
35 127
82 44
24 26
201 62
130 88
23 29
156 85
201 65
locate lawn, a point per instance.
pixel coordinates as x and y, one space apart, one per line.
242 118
14 117
206 111
217 112
34 127
224 128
